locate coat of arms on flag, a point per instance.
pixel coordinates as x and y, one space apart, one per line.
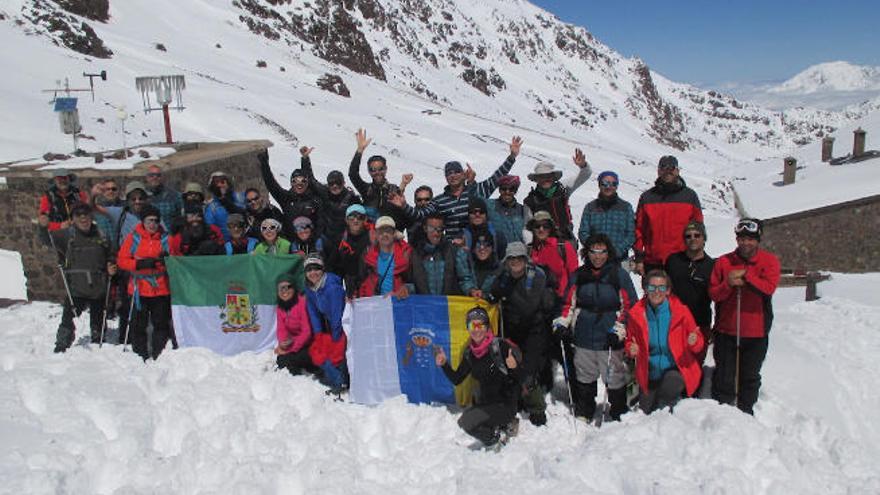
238 315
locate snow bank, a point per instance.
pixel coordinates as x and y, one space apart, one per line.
101 421
13 284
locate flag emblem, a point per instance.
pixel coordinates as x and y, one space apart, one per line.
238 315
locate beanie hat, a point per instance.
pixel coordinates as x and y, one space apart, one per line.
355 208
668 161
297 173
695 225
150 211
313 260
301 222
509 181
476 203
608 173
80 209
477 314
335 176
235 219
287 277
452 168
516 250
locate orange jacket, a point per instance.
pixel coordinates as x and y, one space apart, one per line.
681 324
140 244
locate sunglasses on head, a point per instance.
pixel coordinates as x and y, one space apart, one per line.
606 183
747 227
651 288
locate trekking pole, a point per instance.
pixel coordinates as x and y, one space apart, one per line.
568 384
63 276
130 322
104 316
736 376
606 404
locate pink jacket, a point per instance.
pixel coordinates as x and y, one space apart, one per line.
294 326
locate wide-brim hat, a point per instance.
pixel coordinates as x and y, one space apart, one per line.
544 169
516 250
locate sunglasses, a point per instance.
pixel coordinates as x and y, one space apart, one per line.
151 220
298 180
747 227
477 325
335 184
606 183
314 268
268 228
693 236
377 170
220 180
285 287
543 226
357 216
477 211
114 189
667 167
303 228
429 228
423 200
154 174
651 288
507 189
386 230
234 226
138 199
253 200
598 251
482 245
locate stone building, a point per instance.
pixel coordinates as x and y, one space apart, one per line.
20 197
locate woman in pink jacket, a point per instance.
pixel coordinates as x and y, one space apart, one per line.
294 330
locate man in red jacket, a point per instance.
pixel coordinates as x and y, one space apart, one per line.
742 286
661 216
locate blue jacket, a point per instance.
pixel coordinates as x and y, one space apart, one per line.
509 220
325 305
616 220
216 214
598 299
441 270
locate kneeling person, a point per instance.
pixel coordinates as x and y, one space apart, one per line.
294 329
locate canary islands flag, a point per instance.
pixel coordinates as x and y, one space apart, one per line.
227 303
391 347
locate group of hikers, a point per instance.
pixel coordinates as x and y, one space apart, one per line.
565 295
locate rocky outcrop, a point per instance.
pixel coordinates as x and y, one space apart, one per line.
64 29
334 84
666 123
96 10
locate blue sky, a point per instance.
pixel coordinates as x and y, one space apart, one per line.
711 42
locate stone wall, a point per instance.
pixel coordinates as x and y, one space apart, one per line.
843 238
192 162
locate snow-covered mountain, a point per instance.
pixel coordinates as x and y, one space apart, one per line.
832 76
833 86
502 61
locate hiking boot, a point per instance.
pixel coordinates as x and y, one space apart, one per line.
538 418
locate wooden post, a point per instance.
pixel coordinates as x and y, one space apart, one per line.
789 169
858 142
827 149
167 118
812 282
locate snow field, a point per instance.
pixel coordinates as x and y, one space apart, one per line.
101 421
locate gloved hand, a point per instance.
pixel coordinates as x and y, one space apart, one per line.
614 342
563 331
620 330
146 263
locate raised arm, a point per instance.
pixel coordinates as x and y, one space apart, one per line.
488 186
278 193
583 174
306 165
354 173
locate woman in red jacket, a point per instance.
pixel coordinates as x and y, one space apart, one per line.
294 330
142 254
664 339
550 252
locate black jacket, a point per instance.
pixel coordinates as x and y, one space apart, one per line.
84 256
294 205
690 282
556 205
498 384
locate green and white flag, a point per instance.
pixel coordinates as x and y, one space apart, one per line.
227 303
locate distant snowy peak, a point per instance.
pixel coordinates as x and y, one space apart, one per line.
832 76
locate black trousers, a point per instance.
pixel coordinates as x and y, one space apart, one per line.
482 422
295 362
666 391
158 311
752 354
66 330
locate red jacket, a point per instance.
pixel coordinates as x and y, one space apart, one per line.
140 244
756 309
293 325
178 248
661 217
681 324
58 206
402 263
548 254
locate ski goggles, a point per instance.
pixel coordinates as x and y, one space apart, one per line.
748 227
